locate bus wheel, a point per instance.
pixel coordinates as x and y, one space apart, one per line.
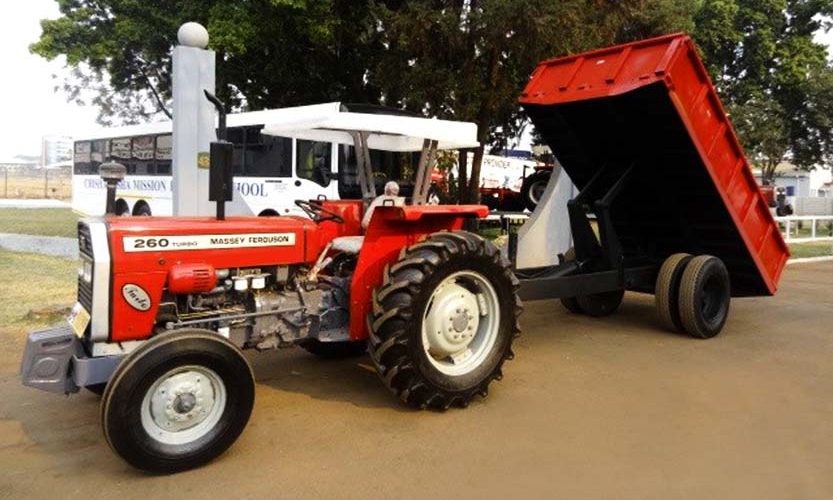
142 209
122 208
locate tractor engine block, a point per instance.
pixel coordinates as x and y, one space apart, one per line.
264 308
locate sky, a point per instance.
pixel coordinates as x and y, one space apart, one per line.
30 106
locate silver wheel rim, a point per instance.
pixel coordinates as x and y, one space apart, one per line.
183 405
536 190
461 323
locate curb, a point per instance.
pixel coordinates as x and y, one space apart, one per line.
807 260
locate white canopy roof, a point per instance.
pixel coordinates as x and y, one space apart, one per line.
328 123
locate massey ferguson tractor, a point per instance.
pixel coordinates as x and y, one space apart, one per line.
166 304
666 205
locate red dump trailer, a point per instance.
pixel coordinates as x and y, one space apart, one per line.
642 133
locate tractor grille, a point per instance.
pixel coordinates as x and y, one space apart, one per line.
85 250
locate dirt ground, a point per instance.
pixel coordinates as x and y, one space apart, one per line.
612 408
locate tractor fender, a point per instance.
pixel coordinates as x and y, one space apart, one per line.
391 230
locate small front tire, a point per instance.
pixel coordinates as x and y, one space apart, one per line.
178 401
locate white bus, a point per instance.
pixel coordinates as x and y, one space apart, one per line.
269 172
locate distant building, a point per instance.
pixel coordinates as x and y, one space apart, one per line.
55 150
801 183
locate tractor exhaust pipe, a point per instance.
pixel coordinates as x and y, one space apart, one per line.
220 182
111 174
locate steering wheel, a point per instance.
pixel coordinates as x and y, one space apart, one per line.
317 212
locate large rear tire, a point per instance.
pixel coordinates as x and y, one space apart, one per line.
444 320
178 401
704 297
667 290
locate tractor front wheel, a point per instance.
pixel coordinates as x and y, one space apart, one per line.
444 320
178 401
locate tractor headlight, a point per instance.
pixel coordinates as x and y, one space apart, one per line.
85 270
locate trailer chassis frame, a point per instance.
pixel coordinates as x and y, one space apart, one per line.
599 265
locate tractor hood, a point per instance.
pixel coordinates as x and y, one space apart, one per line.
147 243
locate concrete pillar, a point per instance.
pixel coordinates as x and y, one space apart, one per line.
193 121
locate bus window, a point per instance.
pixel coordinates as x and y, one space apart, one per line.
120 152
266 155
99 153
81 158
237 136
164 147
143 155
387 166
314 161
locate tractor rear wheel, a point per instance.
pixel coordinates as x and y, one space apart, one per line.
178 401
444 320
667 290
704 296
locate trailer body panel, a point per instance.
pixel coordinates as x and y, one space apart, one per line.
650 105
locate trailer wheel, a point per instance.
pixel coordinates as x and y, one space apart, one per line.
178 401
335 350
600 304
667 290
704 296
571 303
533 188
444 320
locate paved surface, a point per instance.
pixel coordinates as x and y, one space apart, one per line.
46 245
612 408
26 203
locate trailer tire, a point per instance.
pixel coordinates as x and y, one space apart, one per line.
533 187
335 350
571 303
446 274
601 304
178 401
667 290
704 298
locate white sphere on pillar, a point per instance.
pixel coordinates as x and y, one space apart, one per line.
193 34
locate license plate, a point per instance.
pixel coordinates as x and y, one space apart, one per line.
78 319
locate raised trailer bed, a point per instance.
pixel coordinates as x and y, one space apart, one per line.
641 132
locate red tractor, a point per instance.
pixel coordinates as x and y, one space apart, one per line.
167 304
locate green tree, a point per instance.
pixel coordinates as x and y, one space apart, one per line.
460 59
270 53
776 81
469 59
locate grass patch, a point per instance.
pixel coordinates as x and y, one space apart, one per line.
57 187
47 290
39 221
814 249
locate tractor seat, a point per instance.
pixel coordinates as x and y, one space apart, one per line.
352 244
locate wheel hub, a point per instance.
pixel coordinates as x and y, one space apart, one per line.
180 404
452 321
